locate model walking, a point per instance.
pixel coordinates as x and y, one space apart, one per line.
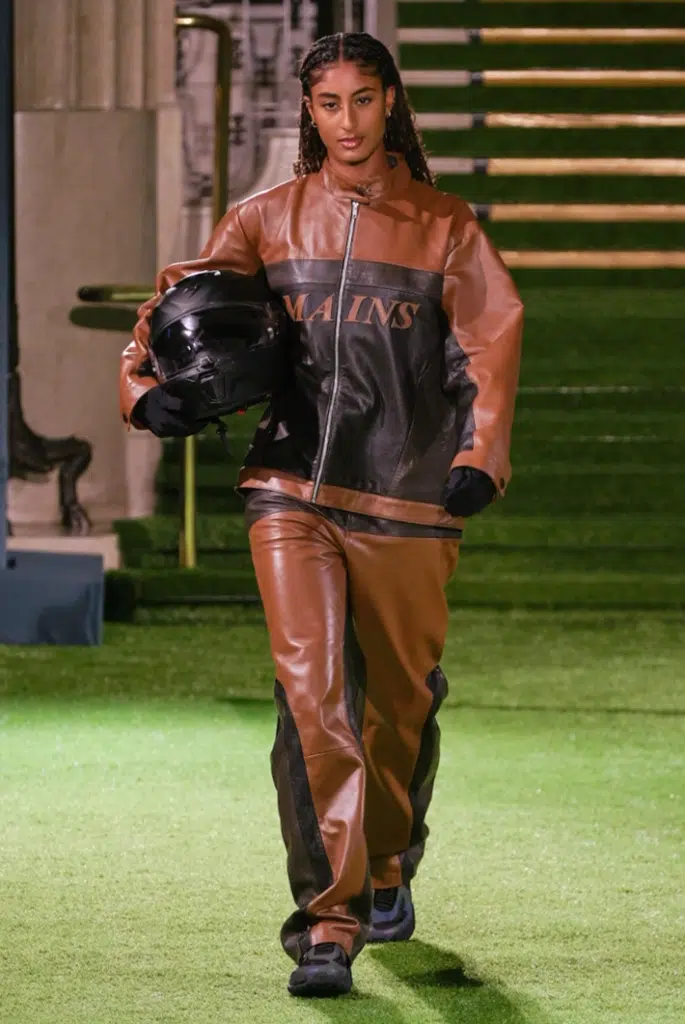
396 425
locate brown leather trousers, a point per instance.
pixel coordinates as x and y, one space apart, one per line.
357 616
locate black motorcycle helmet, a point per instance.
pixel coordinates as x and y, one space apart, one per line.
218 340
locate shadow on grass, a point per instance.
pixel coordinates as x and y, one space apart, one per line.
440 980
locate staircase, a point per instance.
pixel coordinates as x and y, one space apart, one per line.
581 188
568 139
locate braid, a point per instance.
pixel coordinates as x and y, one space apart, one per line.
311 150
401 134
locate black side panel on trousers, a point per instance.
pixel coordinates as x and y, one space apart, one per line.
355 677
309 869
421 786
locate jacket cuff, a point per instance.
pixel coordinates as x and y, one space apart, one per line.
499 474
134 390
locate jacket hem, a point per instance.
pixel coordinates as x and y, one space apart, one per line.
379 506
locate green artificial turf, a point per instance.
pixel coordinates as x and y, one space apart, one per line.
556 142
505 577
543 98
657 278
142 872
576 660
560 236
472 13
516 55
483 188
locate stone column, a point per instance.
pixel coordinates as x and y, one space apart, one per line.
380 20
99 197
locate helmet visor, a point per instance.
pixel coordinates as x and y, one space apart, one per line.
202 340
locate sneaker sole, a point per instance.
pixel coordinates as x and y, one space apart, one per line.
322 984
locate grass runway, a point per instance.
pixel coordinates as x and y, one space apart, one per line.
141 869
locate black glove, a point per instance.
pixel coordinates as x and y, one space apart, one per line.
164 414
467 491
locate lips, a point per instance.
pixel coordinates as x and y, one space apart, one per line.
351 142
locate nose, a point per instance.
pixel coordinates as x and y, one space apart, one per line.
349 117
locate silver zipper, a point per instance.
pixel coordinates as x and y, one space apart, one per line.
336 350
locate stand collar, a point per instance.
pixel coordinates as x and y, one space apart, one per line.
391 183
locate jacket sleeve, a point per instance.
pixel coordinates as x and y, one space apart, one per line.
229 248
483 350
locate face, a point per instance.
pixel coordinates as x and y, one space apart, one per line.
349 107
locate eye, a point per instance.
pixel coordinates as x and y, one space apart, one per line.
329 105
364 100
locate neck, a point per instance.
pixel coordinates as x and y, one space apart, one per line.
374 166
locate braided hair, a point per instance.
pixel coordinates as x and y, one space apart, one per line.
401 135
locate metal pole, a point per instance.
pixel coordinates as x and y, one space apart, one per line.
7 284
222 102
187 543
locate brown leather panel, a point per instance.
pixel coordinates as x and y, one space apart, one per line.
342 927
486 317
310 216
397 596
417 232
377 505
300 220
338 784
390 761
229 248
300 570
385 870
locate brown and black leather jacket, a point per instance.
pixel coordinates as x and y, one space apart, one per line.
407 342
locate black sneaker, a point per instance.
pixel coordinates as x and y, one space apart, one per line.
392 916
324 970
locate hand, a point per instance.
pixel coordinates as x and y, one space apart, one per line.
467 491
164 414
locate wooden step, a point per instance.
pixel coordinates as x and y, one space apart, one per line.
639 166
468 36
547 1
580 77
580 212
593 259
465 122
